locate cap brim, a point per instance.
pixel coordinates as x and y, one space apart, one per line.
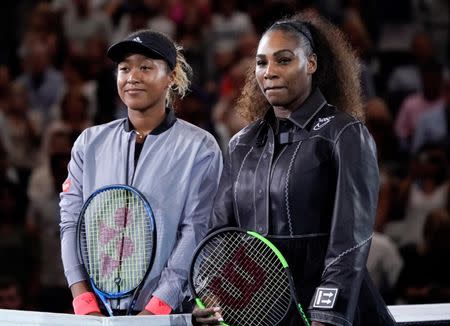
119 51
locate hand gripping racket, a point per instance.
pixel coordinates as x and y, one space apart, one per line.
116 242
246 275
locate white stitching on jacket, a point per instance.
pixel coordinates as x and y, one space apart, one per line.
346 252
286 189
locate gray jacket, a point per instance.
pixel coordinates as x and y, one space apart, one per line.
178 172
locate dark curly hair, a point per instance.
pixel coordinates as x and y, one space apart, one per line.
337 74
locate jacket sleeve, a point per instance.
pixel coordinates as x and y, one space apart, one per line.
223 211
352 223
71 202
172 286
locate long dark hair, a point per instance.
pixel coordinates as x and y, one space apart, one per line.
337 74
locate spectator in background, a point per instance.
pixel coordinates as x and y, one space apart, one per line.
21 136
76 75
227 25
81 22
11 296
15 246
7 172
357 34
194 109
226 119
384 264
191 32
380 124
434 125
42 220
405 79
74 111
42 82
423 190
5 80
424 277
416 104
139 15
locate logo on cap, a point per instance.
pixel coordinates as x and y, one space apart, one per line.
137 39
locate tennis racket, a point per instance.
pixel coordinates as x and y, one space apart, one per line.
116 242
245 275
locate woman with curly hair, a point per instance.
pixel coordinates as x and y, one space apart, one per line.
304 173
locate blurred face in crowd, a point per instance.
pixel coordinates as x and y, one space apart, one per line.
422 48
143 82
283 70
37 58
10 298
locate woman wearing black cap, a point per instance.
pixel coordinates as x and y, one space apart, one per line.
305 173
174 164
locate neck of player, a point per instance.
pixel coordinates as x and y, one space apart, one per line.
145 121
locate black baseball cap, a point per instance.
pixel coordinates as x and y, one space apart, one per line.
146 42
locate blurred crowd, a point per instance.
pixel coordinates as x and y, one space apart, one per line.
55 81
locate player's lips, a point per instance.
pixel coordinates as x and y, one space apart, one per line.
134 90
273 89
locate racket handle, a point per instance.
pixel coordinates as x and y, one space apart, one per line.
85 303
200 304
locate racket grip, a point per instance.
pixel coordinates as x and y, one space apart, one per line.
85 303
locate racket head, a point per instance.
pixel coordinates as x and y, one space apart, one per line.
116 240
244 274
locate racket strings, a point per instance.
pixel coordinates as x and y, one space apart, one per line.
105 233
262 249
272 299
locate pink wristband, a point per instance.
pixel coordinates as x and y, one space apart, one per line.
85 303
158 307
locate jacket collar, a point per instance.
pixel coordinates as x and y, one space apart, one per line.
168 122
308 109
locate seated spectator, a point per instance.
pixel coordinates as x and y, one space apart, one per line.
15 246
42 221
20 132
434 125
357 34
380 124
423 190
81 21
416 104
384 264
405 79
44 84
10 294
425 274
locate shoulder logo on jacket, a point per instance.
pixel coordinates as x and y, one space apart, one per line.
322 122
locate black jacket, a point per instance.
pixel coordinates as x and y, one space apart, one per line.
311 185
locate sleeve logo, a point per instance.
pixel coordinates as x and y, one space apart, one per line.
66 185
325 298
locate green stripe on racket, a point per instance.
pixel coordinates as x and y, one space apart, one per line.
245 275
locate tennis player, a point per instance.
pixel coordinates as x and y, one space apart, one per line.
174 164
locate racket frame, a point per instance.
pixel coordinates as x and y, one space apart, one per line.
284 263
104 296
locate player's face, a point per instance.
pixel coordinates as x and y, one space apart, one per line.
283 71
143 82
